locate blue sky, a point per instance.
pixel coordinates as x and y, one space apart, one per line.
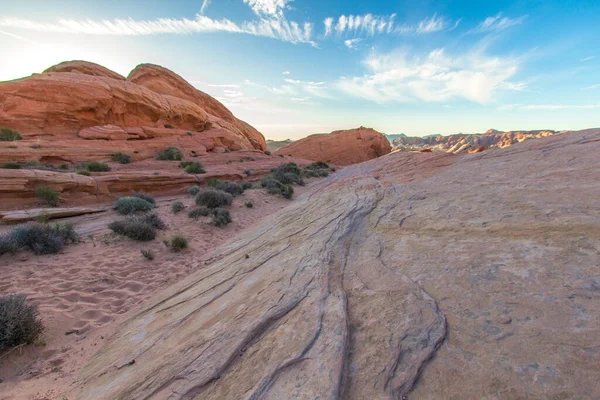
295 67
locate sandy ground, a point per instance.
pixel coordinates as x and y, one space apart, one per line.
84 292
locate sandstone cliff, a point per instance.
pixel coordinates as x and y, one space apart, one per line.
81 110
475 273
340 147
467 142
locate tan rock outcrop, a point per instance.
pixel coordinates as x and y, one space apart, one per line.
340 147
86 68
476 272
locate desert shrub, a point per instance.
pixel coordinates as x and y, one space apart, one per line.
281 155
232 188
129 205
270 183
133 228
85 172
267 152
9 135
170 154
288 173
178 243
47 194
198 212
214 182
213 198
95 166
11 165
247 185
147 254
177 207
43 238
19 321
220 217
315 173
227 150
228 162
248 172
169 126
7 244
194 168
318 165
144 196
249 204
63 166
153 220
190 134
193 190
121 158
287 191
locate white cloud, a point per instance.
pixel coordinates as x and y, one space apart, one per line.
205 4
352 43
328 22
498 23
434 78
367 24
593 87
271 8
547 107
286 72
587 59
318 89
280 29
432 24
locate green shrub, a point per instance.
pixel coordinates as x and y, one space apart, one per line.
287 191
213 198
193 190
153 220
198 212
214 182
267 152
121 158
178 243
47 194
43 238
129 205
318 165
19 321
315 173
227 150
249 204
232 188
270 183
228 162
287 174
9 135
63 166
134 228
169 126
194 168
170 154
190 134
85 172
177 207
281 155
220 217
246 185
11 165
95 166
248 172
143 196
148 254
35 146
7 244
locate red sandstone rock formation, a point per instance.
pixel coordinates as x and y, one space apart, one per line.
468 143
340 147
80 109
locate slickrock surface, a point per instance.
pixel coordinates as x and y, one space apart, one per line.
478 272
13 217
80 111
340 147
468 143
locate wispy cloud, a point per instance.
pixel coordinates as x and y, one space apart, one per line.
587 59
368 24
328 22
593 87
318 89
435 78
547 107
432 24
286 72
352 43
269 8
498 23
205 4
280 29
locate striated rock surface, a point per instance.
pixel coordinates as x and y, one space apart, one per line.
340 147
17 216
466 142
475 273
74 108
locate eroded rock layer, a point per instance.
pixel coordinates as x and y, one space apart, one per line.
340 147
476 272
